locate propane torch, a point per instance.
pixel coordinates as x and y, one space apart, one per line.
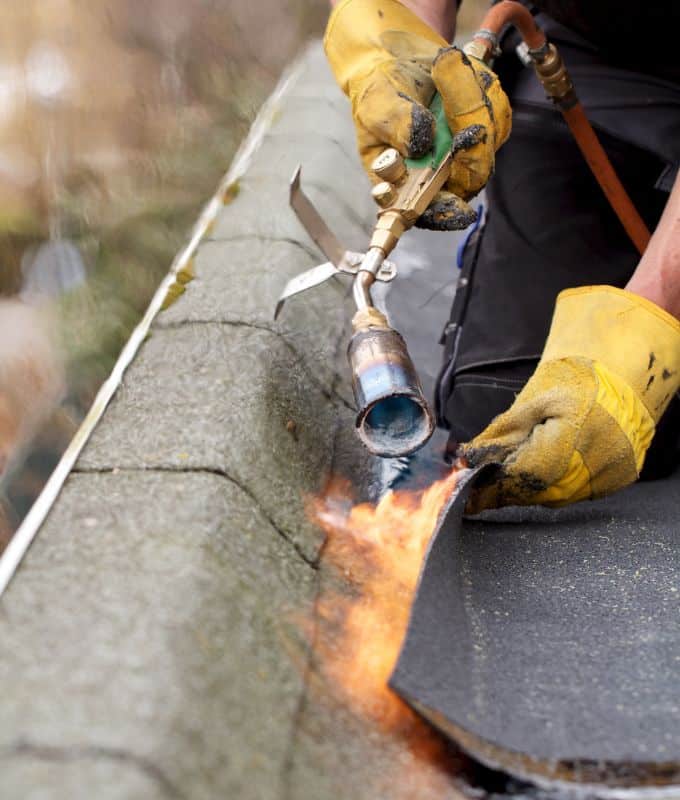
393 417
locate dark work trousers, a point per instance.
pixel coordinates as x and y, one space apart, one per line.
548 227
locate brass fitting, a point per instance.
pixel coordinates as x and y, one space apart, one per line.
390 166
384 194
388 230
483 46
556 81
480 49
367 318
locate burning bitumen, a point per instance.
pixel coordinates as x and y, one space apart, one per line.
378 551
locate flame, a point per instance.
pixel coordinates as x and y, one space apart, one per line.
376 552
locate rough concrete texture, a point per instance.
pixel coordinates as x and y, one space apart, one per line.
155 639
157 607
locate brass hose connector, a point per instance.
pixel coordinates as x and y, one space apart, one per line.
553 74
484 44
388 230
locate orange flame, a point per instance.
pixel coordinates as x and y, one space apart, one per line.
378 551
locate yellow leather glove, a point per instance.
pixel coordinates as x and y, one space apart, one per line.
581 426
389 63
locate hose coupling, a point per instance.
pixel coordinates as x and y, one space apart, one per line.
553 74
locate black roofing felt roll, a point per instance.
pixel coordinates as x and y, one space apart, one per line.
547 642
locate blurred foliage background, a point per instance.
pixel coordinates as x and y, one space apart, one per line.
117 120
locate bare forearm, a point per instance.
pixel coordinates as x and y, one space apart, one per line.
657 276
439 14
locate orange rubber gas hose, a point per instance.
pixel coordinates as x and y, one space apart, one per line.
609 181
510 12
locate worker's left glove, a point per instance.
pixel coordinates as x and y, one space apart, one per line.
582 425
390 63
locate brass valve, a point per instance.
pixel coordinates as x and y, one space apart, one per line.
389 166
383 193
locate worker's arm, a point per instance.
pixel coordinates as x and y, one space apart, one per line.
582 425
390 58
658 275
440 15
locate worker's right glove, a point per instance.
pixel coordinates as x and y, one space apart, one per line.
390 63
582 425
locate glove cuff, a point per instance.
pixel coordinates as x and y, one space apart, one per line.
631 336
352 39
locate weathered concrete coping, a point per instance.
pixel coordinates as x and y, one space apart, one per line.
149 640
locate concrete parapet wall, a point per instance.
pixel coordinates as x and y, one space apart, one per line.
149 641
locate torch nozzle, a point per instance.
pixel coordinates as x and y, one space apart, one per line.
393 417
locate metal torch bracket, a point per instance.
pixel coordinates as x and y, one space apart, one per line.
340 261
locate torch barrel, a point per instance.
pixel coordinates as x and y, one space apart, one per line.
393 417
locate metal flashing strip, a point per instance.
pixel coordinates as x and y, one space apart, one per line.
26 532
